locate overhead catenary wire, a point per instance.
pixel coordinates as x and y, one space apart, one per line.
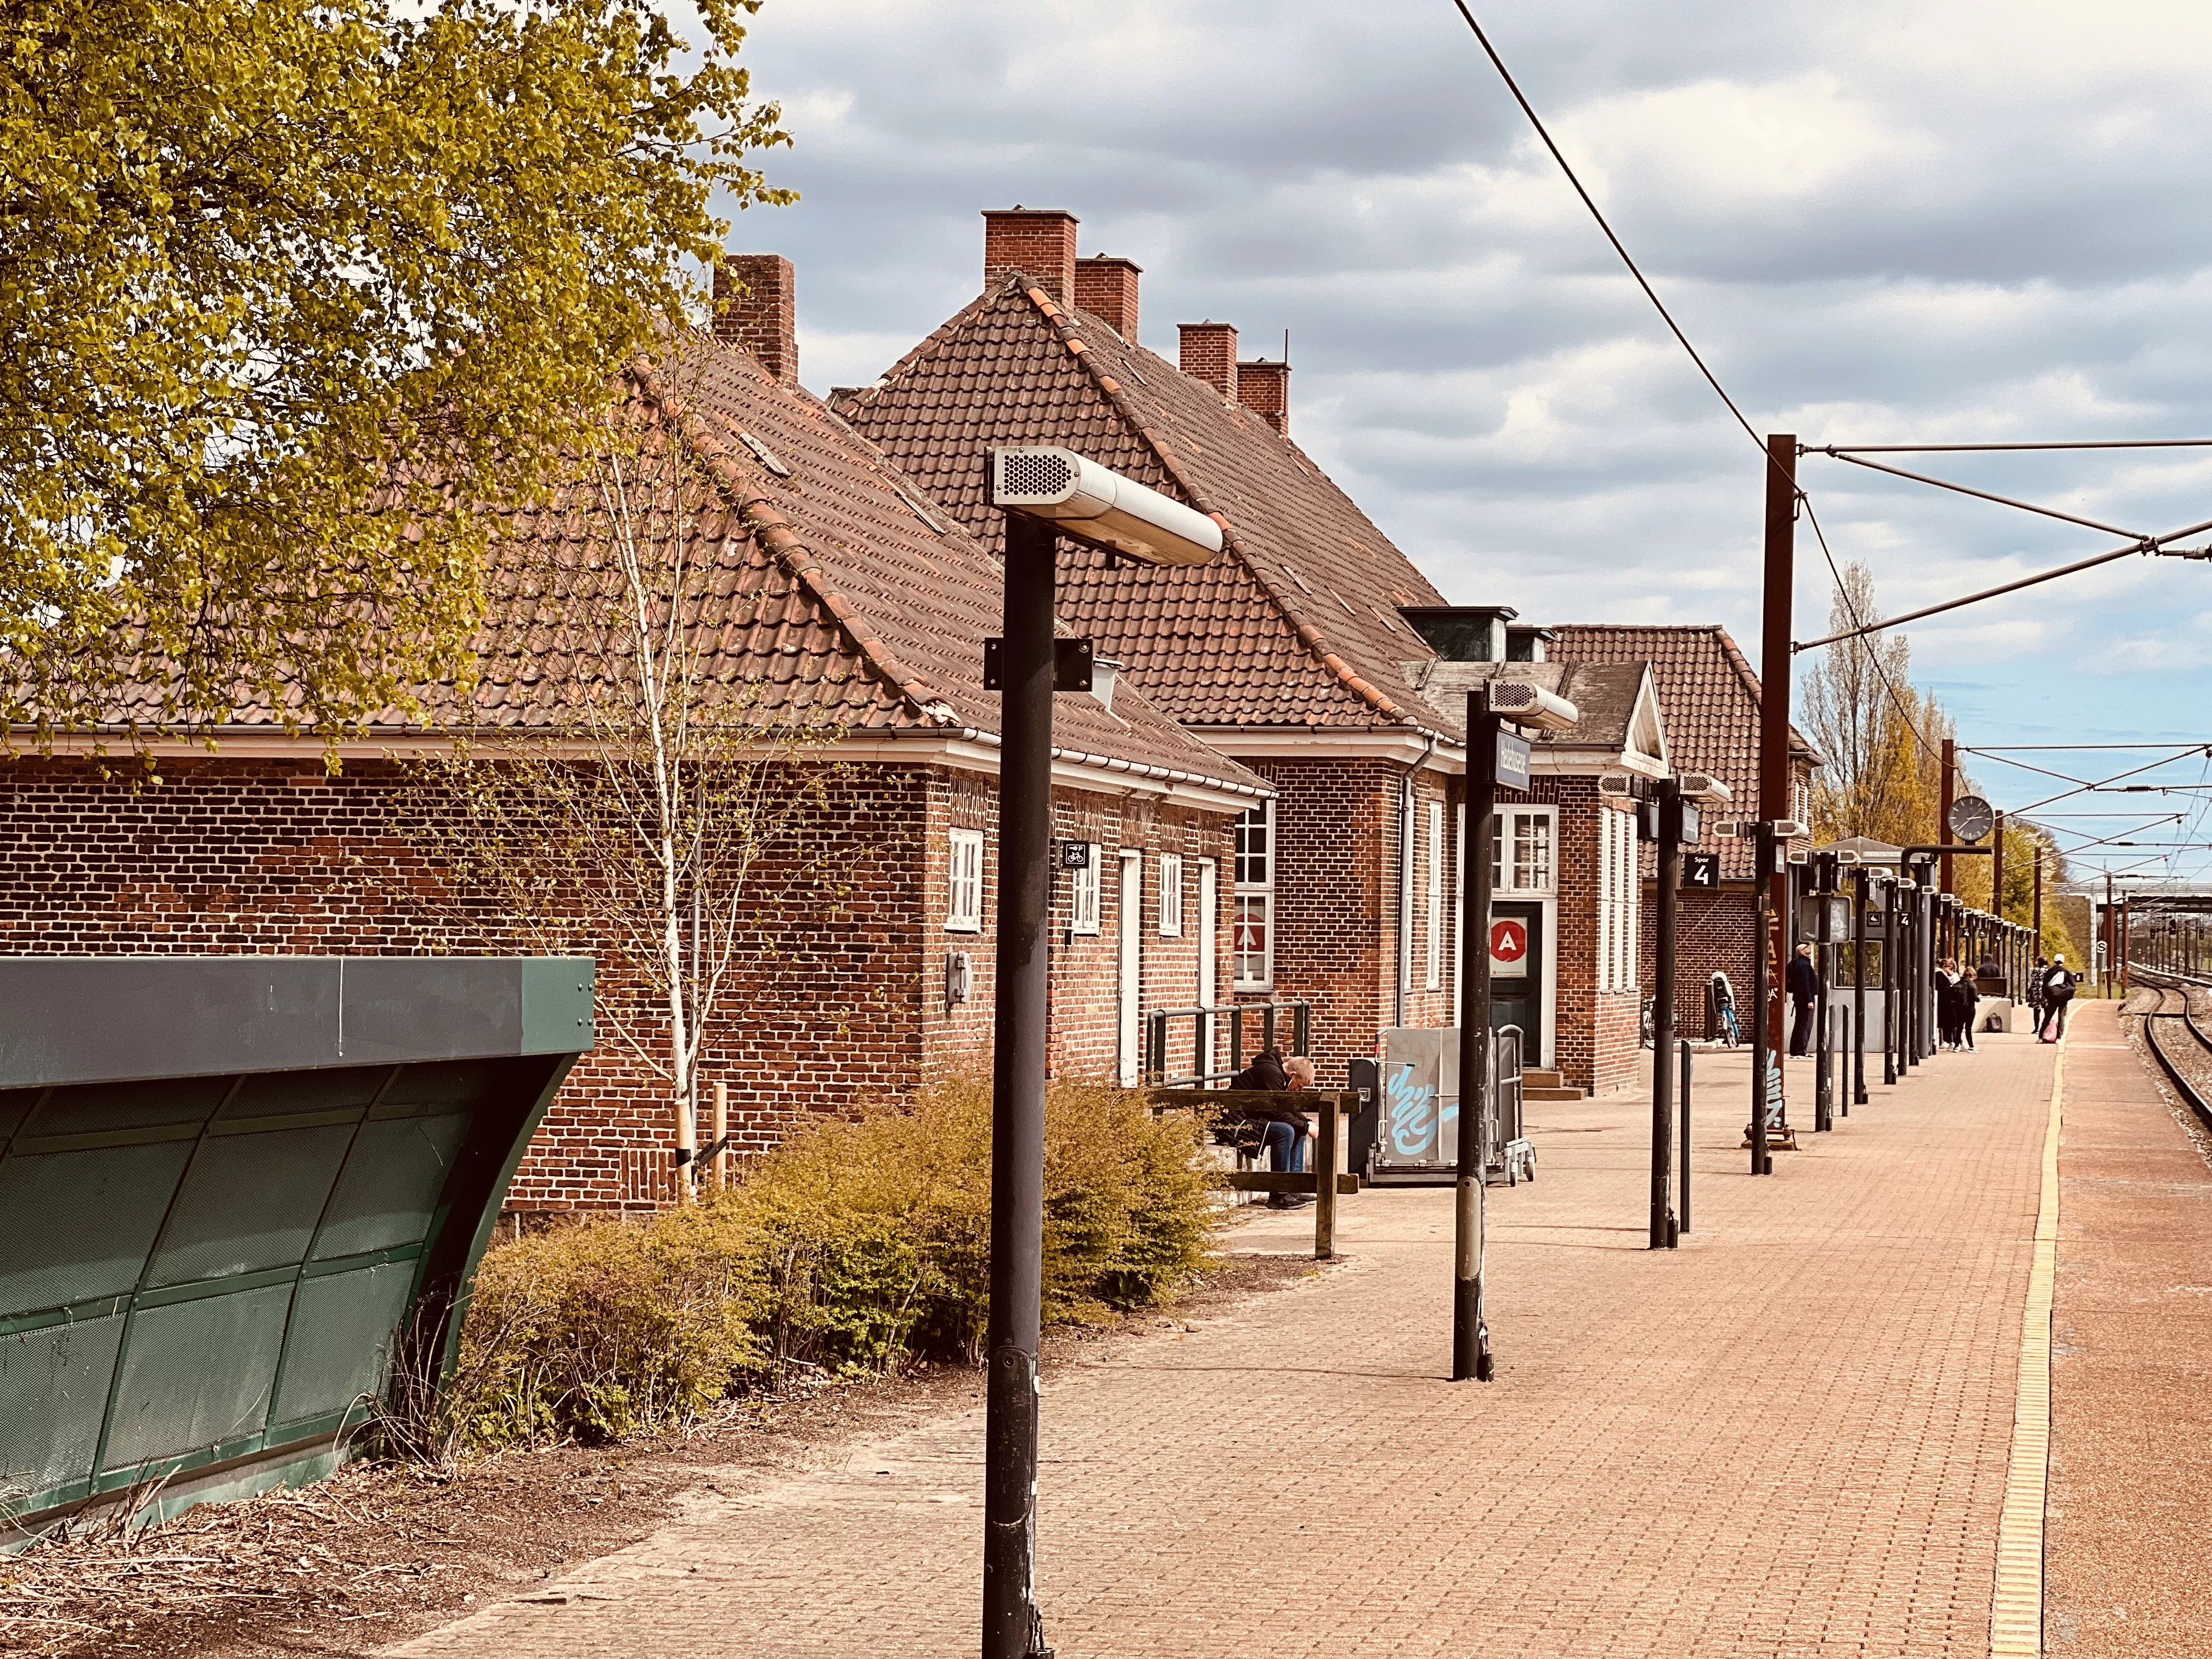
1962 449
1675 328
1830 450
2146 545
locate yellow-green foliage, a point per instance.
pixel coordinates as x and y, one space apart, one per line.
850 1248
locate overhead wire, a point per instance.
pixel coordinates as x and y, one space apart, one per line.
1850 610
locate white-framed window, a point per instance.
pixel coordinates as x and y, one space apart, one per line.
1082 902
1435 976
963 912
1521 852
1252 937
1170 895
1618 893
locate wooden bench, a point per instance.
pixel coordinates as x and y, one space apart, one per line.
1324 1105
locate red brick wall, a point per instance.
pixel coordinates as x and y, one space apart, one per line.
1337 906
845 1005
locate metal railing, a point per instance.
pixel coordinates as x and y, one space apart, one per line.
1208 1026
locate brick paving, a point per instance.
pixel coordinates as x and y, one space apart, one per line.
1788 1437
2130 1566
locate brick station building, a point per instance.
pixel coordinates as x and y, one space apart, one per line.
837 593
1565 872
1711 697
1288 652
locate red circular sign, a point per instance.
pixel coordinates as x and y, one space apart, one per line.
1509 940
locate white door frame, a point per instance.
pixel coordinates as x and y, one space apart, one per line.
1129 966
1209 910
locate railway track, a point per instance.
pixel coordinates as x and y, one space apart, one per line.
2188 1068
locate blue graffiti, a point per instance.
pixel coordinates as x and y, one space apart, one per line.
1413 1113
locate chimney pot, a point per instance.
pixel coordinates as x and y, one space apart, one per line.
756 307
1265 389
1209 354
1039 242
1107 288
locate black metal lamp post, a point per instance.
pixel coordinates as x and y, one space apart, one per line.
1677 799
1492 756
1769 840
1045 494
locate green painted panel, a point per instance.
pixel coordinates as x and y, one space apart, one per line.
53 1392
91 1108
195 1374
275 1094
390 1184
343 1326
248 1202
448 1081
78 1224
14 1103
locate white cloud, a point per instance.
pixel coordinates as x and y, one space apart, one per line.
1906 220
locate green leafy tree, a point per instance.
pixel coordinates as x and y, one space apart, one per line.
283 281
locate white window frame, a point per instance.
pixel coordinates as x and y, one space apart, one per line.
1170 895
1435 976
1082 895
1508 825
1618 882
963 912
1255 895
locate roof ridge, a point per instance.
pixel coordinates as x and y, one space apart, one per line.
759 514
1303 629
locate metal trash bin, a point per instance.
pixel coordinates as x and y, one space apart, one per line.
228 1184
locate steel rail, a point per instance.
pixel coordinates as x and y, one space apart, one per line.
2190 1095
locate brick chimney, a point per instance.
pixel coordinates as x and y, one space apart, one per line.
1209 354
1265 389
756 307
1107 288
1038 242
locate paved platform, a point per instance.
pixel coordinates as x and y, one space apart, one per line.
2129 1560
1788 1437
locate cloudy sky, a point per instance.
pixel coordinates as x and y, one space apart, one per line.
1881 222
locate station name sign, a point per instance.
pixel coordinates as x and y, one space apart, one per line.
1511 768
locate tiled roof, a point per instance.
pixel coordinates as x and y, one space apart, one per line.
1710 695
1298 627
1604 694
837 596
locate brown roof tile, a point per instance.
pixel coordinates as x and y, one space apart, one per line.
1708 696
828 598
1299 627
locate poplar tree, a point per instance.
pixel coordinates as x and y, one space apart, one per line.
283 283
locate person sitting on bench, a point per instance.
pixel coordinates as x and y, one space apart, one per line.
1283 1132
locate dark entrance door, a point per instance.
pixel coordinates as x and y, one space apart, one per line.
1517 972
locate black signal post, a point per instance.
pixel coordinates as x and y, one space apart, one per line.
1677 824
1471 1356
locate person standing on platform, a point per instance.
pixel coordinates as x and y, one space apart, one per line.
1970 999
1804 992
2035 989
2058 991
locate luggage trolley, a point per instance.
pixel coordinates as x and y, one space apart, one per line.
1406 1133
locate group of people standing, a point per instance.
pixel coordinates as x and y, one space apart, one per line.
1958 995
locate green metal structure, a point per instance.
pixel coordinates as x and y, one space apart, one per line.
228 1185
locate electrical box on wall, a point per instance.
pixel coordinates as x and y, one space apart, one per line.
959 978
